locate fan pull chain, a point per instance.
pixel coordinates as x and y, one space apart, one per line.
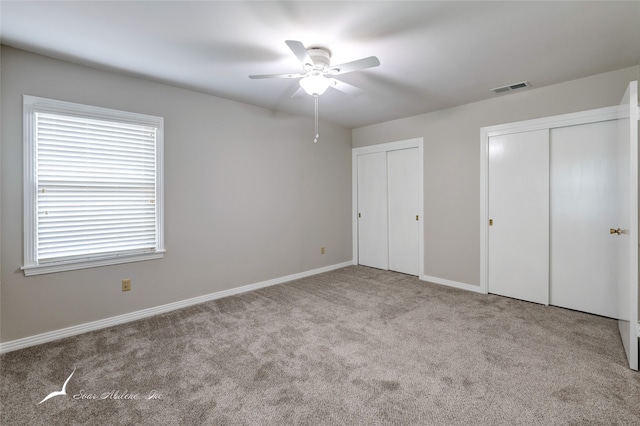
315 100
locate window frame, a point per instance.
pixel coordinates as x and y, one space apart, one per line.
33 105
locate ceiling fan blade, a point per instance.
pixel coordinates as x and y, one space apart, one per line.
301 53
276 76
345 87
360 64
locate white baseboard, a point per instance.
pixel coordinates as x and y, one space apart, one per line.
455 284
149 312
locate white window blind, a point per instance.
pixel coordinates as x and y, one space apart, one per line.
94 184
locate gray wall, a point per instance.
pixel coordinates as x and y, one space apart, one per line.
248 197
452 160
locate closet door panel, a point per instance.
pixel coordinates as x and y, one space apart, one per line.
373 243
518 246
404 208
584 206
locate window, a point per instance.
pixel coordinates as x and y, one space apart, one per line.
92 186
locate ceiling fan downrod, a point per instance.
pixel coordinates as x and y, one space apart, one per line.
315 100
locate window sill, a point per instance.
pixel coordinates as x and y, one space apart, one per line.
50 268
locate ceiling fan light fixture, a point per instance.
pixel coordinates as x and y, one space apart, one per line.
315 84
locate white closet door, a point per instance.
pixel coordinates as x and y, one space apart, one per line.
404 208
584 206
628 300
518 246
373 243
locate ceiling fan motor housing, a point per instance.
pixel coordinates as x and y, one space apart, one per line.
321 58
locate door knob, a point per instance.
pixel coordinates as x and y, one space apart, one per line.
615 231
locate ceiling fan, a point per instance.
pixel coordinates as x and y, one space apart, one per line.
318 72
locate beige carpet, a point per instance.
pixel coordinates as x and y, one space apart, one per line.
352 346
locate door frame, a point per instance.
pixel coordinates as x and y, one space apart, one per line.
385 147
548 123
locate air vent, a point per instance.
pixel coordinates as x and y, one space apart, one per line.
511 87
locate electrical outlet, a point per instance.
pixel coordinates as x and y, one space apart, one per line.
321 250
126 284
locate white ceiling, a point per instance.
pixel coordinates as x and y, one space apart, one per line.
433 54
